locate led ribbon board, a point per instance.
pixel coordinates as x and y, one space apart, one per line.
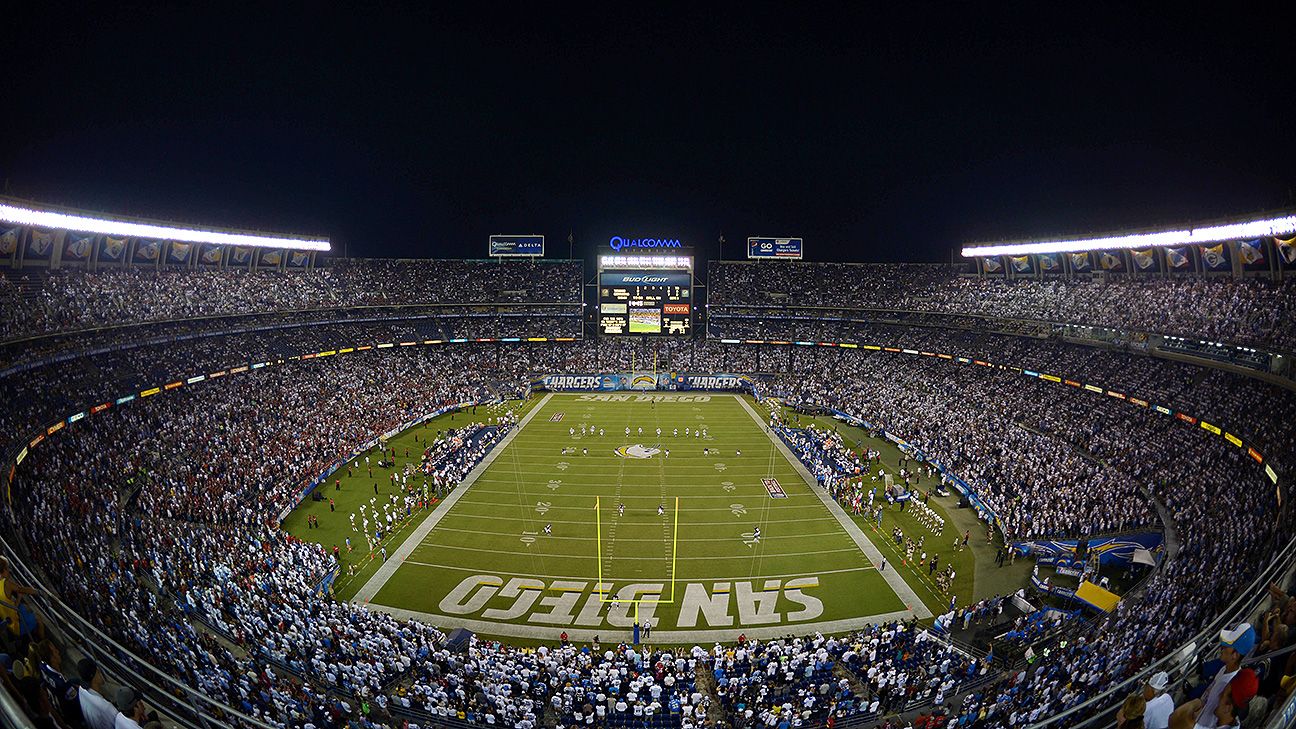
1267 227
27 216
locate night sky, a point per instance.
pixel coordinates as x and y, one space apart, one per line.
877 135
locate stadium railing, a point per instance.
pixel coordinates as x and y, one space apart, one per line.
1100 710
12 715
182 705
1285 717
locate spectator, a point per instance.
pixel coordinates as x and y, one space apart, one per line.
1160 705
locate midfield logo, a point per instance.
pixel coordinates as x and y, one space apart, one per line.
637 451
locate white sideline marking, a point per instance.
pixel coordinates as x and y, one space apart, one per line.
388 568
902 589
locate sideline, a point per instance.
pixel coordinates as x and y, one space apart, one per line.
412 542
917 608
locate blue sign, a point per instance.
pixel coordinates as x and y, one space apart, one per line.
517 245
774 248
618 243
711 382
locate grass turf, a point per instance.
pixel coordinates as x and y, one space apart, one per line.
495 534
550 476
964 560
348 491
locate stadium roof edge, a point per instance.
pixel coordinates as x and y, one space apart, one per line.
1277 223
17 211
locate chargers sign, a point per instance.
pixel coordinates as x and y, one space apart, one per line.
579 383
774 248
710 382
611 382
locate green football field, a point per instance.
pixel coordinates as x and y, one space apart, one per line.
587 533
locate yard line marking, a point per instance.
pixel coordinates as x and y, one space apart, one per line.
710 557
798 535
586 508
572 492
590 578
388 568
495 517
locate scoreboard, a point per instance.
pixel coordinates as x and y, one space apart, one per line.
645 302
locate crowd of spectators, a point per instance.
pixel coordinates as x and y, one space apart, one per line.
39 302
156 520
1252 311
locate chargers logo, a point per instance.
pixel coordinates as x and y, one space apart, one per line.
637 451
643 380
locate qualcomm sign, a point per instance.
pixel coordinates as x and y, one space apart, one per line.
618 243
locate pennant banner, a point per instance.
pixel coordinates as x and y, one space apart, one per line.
241 255
1048 261
1177 257
147 251
77 247
111 249
1251 252
1111 261
1286 250
179 252
1143 259
210 254
1021 264
9 242
269 258
1080 261
298 259
991 264
40 244
1215 256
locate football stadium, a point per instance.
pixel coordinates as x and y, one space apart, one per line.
631 475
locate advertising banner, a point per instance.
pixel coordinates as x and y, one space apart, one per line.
517 245
711 382
614 381
1110 550
790 248
645 278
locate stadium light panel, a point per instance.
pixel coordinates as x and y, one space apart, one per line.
1268 227
20 215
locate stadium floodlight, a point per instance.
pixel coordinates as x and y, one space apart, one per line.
1263 228
28 216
